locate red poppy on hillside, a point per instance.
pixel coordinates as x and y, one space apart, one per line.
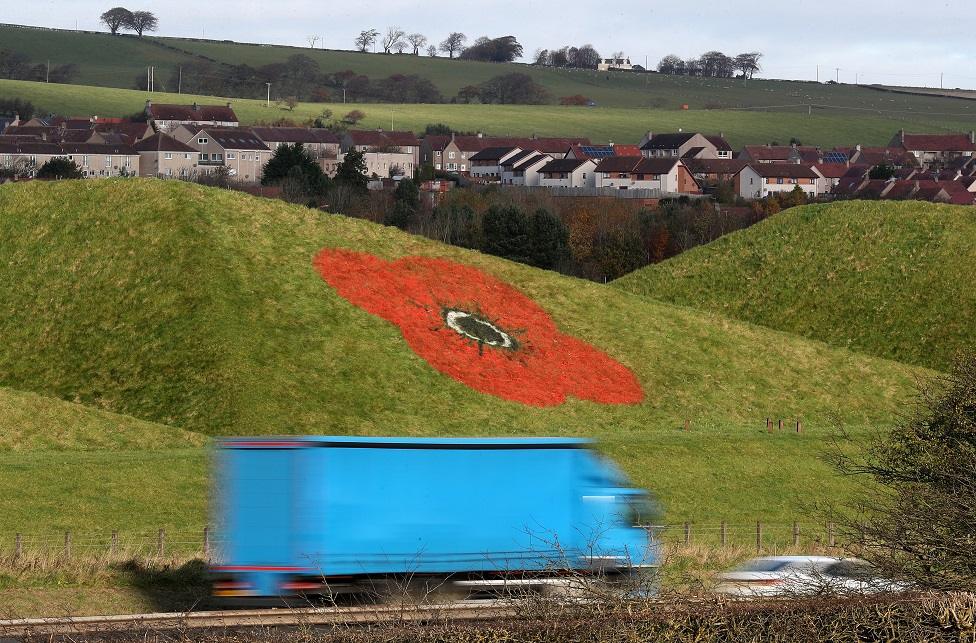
478 330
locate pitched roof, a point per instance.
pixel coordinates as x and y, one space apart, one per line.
832 170
768 152
618 164
562 165
784 170
517 157
296 135
667 141
715 166
529 161
235 138
36 147
693 152
548 145
160 142
494 153
193 113
380 138
655 166
936 142
719 142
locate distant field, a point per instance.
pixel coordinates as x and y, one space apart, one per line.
886 278
117 61
200 308
620 125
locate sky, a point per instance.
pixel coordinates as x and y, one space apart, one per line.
904 42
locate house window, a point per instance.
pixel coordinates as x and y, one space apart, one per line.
451 155
84 161
793 181
437 166
463 168
218 157
257 157
204 157
169 171
168 155
231 156
126 161
108 161
202 140
187 156
779 181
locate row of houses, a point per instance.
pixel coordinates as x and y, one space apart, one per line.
190 140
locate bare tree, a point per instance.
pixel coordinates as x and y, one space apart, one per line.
311 40
142 21
116 18
418 41
454 43
366 39
432 51
392 38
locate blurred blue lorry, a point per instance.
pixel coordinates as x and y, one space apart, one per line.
326 515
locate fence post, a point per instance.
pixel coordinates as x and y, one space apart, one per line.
18 546
830 535
687 425
114 548
724 534
758 536
796 534
769 425
206 543
67 544
799 426
687 533
780 426
160 542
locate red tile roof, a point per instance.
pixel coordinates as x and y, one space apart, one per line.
162 143
768 152
784 170
715 166
936 142
547 145
618 164
832 170
296 135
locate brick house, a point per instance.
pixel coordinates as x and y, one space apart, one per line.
323 144
237 148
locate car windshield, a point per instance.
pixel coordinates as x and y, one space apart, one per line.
763 565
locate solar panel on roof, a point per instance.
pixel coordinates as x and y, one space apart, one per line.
594 151
835 157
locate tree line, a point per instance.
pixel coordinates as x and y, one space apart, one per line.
396 40
15 65
582 57
712 64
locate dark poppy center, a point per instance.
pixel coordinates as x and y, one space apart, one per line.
478 329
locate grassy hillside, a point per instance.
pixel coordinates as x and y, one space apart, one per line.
600 124
890 279
116 61
200 308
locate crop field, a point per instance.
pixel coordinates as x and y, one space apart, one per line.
620 125
200 308
889 279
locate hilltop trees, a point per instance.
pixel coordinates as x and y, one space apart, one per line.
366 39
392 39
505 49
116 18
583 57
712 64
453 44
418 41
513 89
121 18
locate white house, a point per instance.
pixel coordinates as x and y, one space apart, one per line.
487 163
524 171
568 173
638 173
759 180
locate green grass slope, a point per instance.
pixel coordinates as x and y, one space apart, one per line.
600 124
200 308
889 279
117 61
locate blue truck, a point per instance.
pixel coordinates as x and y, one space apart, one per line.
324 515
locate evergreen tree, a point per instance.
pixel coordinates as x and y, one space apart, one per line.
352 172
59 168
549 238
507 233
406 204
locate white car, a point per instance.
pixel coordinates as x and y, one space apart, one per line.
802 575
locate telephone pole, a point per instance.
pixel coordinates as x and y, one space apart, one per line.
838 75
47 78
818 73
179 87
269 94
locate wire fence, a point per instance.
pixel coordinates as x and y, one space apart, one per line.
206 544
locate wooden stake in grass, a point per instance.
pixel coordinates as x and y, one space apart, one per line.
687 425
758 536
780 427
724 531
115 543
799 426
796 534
160 542
206 543
831 542
67 544
687 533
18 546
769 425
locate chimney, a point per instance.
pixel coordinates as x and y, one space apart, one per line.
972 137
901 135
16 120
228 104
481 134
195 106
858 147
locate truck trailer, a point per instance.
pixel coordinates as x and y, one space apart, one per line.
323 515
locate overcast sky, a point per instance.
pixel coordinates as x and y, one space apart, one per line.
908 42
